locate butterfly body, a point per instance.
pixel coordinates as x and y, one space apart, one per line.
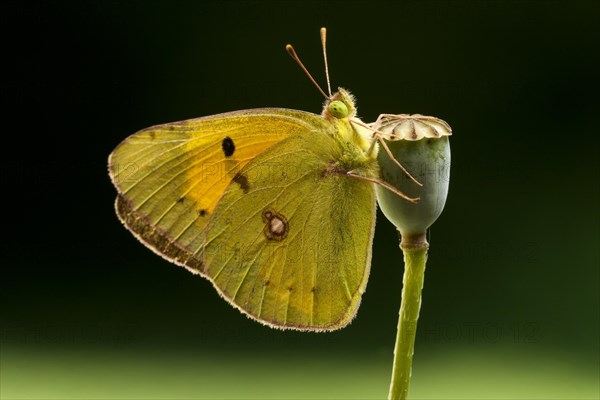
261 203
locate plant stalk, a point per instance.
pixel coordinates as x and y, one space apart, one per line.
415 249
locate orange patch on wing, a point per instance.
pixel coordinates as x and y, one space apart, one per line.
210 176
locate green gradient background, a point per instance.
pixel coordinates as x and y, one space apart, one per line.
511 306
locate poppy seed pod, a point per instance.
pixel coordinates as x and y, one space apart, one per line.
421 144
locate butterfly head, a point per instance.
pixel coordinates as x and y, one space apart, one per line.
340 105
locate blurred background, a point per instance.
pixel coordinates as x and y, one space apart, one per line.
510 306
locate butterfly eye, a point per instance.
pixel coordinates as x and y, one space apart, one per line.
338 109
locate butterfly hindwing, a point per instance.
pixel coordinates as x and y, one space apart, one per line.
290 242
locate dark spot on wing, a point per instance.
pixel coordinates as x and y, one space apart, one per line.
276 225
242 180
202 212
332 169
228 147
181 200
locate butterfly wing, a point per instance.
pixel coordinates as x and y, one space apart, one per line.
170 177
290 243
248 200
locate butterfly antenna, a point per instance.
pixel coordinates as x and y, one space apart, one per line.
292 52
323 41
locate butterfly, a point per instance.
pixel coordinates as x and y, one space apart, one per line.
276 207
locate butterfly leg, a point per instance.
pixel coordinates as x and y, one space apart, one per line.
378 137
384 185
375 125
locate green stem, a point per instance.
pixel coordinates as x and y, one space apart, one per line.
415 255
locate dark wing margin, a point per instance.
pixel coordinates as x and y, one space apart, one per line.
154 238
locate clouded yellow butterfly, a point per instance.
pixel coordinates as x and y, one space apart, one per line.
276 207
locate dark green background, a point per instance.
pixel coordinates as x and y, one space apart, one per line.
510 307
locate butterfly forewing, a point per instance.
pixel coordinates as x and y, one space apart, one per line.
170 177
